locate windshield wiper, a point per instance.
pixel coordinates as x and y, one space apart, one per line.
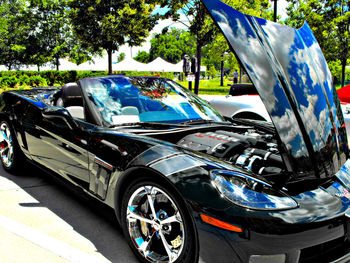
150 124
203 121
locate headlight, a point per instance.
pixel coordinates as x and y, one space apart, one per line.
250 192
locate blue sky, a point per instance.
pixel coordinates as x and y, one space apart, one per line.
161 11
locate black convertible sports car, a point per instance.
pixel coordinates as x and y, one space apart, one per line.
188 185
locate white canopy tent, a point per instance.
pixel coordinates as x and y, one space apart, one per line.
67 65
157 65
130 64
47 66
63 65
160 65
101 64
97 64
179 66
30 67
3 68
14 68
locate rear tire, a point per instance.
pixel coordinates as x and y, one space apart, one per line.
147 207
10 154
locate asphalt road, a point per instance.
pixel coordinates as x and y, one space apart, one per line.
43 220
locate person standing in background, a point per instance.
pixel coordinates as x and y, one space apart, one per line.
235 77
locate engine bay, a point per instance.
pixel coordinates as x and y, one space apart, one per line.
254 151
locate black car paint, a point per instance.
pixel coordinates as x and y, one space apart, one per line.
102 161
130 154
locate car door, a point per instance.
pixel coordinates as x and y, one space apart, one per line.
57 142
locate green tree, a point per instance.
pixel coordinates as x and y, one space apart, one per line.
172 44
108 24
143 57
12 34
330 22
3 20
212 72
202 26
216 54
50 37
79 54
336 69
121 57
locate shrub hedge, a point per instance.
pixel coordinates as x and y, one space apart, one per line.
53 78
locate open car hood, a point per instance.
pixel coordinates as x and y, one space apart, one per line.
291 75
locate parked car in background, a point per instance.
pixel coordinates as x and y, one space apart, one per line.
187 185
244 103
344 94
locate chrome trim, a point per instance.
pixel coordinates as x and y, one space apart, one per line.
103 163
343 259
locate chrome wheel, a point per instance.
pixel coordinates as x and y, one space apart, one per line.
155 224
6 145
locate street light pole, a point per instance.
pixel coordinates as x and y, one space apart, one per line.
275 11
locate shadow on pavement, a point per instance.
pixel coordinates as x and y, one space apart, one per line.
91 219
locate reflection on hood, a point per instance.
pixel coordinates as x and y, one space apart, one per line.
291 75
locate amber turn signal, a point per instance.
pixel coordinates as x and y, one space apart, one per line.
215 222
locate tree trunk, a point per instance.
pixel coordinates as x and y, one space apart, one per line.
343 68
110 70
198 73
240 74
57 64
222 73
38 68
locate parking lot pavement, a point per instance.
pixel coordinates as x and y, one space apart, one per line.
41 220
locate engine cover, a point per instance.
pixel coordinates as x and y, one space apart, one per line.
221 144
251 151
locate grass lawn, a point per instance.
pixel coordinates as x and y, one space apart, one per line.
210 87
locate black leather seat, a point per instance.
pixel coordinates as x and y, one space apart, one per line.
71 96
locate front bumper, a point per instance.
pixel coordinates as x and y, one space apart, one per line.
328 242
317 231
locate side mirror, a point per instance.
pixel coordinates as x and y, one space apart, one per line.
59 114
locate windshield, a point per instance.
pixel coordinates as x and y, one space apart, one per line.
121 100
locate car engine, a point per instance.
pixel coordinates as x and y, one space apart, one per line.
256 152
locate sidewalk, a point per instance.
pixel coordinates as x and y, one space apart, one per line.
39 222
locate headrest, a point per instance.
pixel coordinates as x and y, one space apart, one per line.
71 90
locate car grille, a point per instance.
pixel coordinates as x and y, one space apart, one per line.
325 252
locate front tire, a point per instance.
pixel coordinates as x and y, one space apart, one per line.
156 223
10 154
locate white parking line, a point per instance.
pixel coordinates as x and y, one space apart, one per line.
49 243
